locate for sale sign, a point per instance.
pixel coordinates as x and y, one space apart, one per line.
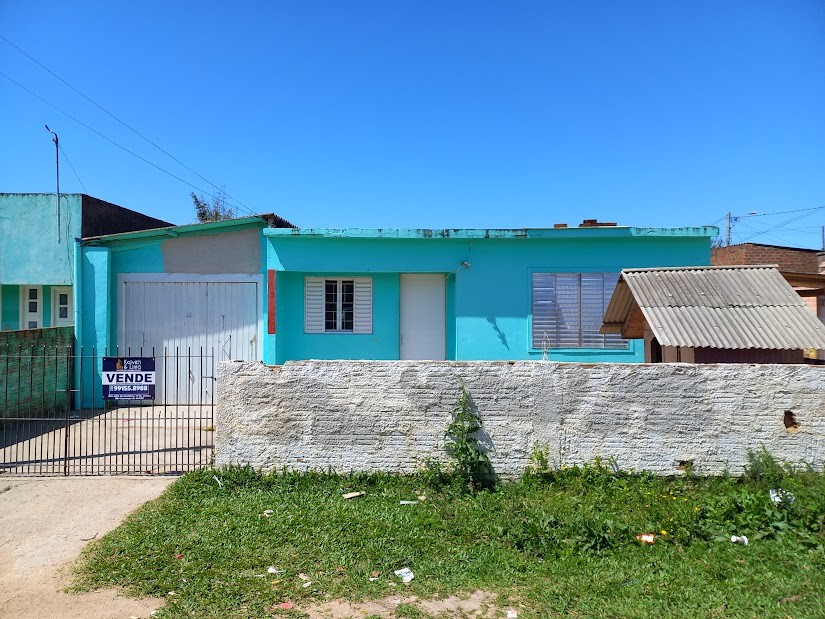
128 378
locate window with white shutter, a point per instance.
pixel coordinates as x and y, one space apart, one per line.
338 305
568 309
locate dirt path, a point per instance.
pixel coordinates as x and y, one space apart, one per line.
44 524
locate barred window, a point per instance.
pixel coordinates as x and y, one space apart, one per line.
568 309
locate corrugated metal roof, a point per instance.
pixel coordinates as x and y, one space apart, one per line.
718 307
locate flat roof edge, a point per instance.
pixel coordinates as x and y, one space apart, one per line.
492 233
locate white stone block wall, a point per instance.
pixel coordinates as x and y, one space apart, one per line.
391 415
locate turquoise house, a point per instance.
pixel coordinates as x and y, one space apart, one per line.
38 238
256 288
459 294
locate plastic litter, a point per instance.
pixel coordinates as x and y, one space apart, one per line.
646 538
511 614
268 513
220 483
421 497
286 605
178 556
273 570
739 539
405 574
408 502
778 495
352 495
307 584
374 576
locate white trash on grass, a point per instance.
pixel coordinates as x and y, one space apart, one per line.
405 574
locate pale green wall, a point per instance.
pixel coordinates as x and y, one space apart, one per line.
30 251
488 303
9 308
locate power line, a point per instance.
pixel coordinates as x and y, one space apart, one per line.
799 210
784 223
111 141
767 233
129 127
66 157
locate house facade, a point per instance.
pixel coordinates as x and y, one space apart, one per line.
38 249
458 294
257 288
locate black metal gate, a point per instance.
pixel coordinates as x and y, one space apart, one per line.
53 420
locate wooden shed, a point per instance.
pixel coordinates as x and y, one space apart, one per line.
720 314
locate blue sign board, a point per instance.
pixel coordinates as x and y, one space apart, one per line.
128 378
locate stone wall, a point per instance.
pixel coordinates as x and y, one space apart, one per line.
391 415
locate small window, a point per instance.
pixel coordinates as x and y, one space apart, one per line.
32 324
32 307
33 294
63 299
338 305
568 309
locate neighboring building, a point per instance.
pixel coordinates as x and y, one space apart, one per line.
734 314
788 259
803 268
37 252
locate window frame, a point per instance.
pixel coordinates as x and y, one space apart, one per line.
339 304
621 345
315 304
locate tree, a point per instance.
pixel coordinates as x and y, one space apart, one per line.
217 210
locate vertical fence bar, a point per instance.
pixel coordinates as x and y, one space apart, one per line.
68 394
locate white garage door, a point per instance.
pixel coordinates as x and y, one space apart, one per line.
186 325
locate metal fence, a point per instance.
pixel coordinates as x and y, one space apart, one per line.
54 420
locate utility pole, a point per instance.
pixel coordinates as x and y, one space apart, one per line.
57 171
727 233
823 238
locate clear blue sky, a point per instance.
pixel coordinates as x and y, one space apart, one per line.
430 114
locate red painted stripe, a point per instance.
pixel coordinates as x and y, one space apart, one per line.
270 305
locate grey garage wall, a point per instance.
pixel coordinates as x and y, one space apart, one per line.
391 415
238 251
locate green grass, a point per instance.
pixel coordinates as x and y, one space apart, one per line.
552 545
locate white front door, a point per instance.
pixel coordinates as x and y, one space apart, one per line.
31 307
62 315
423 316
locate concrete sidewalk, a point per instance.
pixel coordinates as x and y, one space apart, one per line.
44 525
